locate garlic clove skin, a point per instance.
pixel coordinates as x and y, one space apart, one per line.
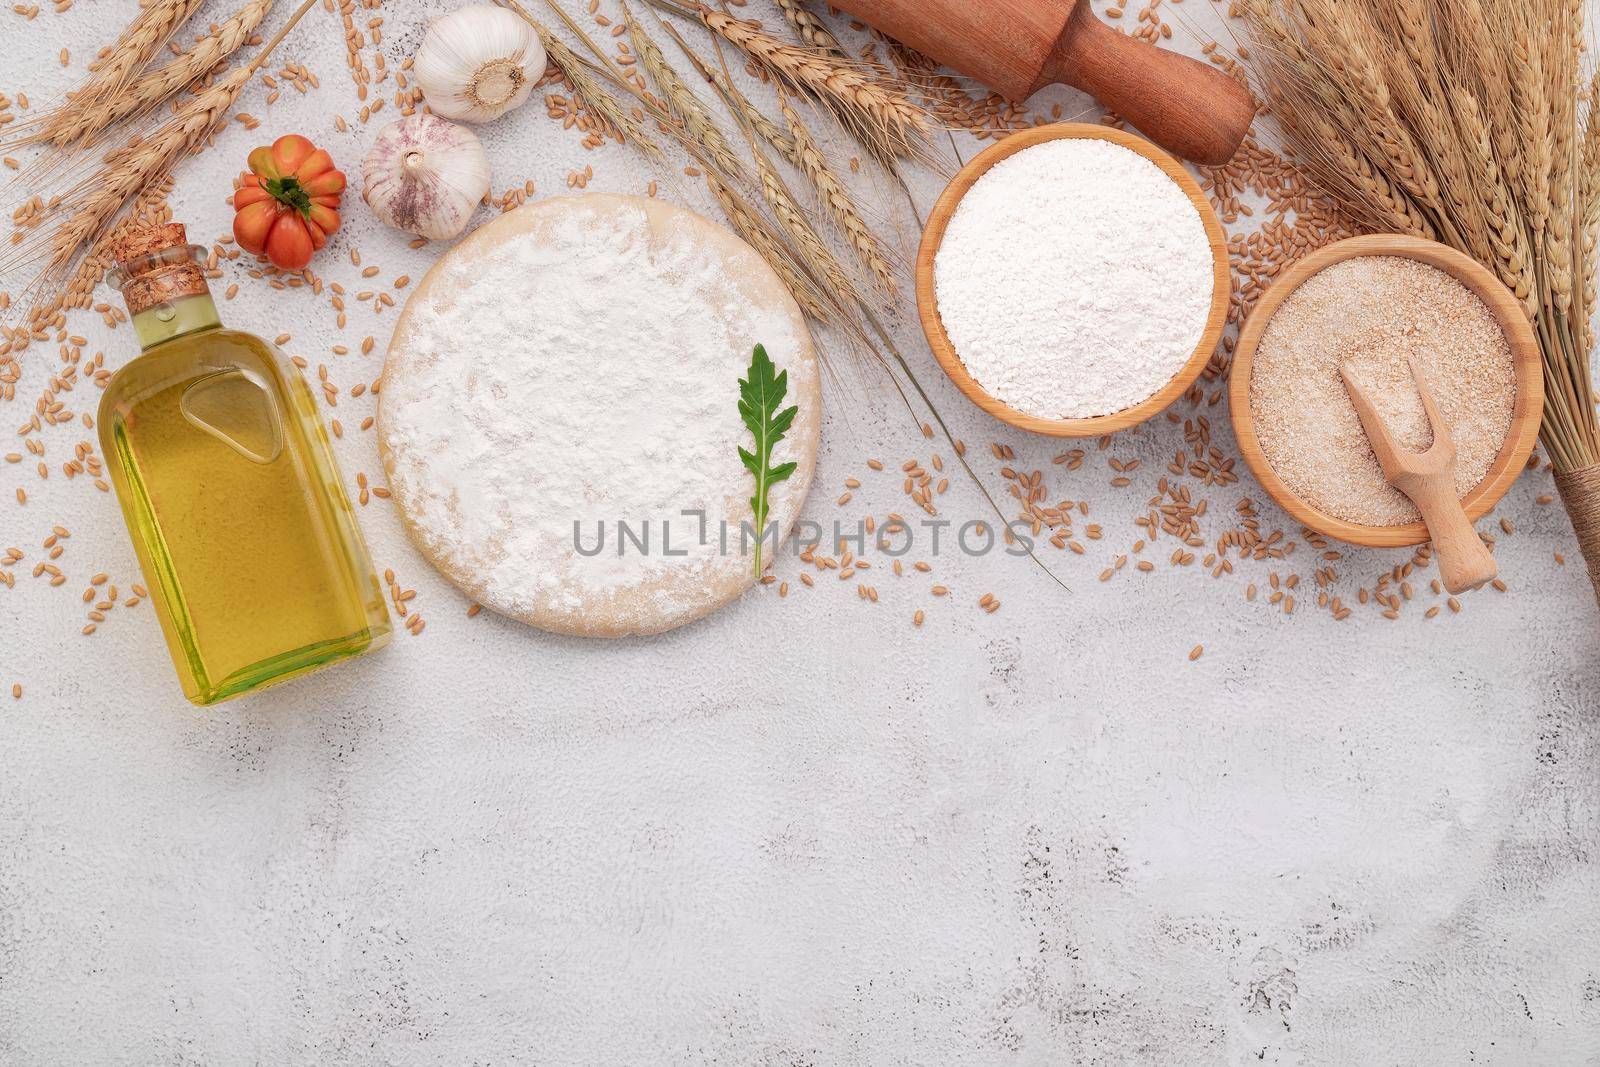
425 176
478 62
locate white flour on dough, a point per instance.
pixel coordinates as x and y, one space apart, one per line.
578 361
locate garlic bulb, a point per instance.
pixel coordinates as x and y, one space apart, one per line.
425 176
477 63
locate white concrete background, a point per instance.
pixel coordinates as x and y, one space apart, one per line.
800 831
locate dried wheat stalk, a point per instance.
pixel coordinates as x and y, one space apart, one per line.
72 124
1461 119
681 100
623 123
155 24
836 198
878 113
804 238
749 224
812 30
807 241
131 168
768 129
801 239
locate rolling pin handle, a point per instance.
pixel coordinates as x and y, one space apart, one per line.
1189 108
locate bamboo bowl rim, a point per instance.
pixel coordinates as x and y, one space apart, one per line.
933 327
1527 409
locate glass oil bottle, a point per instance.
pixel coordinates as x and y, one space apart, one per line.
226 478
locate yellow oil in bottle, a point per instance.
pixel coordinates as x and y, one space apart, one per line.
227 481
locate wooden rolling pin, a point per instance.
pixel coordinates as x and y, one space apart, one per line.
1017 47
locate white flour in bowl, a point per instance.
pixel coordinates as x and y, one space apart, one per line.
1074 279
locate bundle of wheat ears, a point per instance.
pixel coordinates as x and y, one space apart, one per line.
66 249
1470 122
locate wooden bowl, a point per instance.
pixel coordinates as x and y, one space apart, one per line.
944 351
1527 410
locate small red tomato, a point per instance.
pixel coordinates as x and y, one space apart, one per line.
287 203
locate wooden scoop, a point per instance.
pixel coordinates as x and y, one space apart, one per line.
1429 479
1017 47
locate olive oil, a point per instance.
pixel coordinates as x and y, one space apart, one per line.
226 478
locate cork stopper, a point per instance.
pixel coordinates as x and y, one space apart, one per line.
156 265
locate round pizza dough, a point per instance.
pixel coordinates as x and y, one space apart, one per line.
571 368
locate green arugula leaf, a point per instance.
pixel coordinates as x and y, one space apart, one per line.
759 396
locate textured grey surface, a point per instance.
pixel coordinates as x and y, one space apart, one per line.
800 831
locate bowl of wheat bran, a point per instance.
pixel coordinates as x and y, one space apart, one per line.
1374 302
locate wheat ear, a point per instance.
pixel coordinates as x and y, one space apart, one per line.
129 169
681 100
150 30
812 30
142 164
803 236
1364 192
1512 259
882 117
769 131
1472 34
624 125
758 233
69 125
836 198
807 241
806 71
1589 219
1561 79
